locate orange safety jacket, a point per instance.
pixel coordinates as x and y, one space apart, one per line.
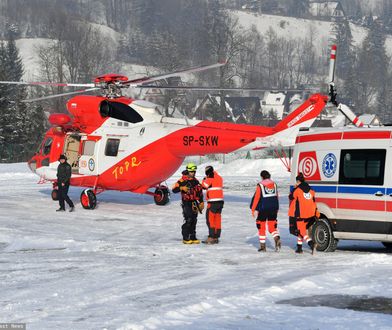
303 205
214 187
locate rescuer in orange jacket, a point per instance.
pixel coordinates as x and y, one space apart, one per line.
266 202
304 209
213 183
192 202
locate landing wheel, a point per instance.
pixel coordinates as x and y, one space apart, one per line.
88 199
55 194
323 236
161 195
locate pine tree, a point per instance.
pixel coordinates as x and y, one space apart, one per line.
20 124
372 70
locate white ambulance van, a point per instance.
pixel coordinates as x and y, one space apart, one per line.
350 169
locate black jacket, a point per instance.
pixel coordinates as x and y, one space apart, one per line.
64 172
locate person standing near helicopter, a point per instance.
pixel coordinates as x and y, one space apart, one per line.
64 172
213 184
192 202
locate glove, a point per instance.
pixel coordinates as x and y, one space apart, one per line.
184 189
253 214
201 206
317 214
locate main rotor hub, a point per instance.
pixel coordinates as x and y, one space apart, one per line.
111 84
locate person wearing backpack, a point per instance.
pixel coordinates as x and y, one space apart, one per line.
265 201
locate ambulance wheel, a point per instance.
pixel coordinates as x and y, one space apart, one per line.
55 194
323 236
388 245
161 195
88 199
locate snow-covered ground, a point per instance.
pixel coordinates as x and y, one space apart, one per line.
291 27
123 265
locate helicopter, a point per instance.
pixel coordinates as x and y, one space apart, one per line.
114 142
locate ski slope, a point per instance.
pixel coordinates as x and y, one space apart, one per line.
123 265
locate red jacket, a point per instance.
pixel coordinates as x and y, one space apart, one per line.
214 187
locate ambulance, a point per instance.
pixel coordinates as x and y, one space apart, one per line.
350 169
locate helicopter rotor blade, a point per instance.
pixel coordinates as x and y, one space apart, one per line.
62 94
202 88
42 83
145 80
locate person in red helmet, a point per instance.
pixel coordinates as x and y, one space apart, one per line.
266 202
213 184
304 209
64 172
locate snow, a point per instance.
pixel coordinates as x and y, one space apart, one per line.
292 28
123 265
28 51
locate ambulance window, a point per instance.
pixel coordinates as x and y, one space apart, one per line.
364 167
112 147
88 148
46 146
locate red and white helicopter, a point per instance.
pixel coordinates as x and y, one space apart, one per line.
115 142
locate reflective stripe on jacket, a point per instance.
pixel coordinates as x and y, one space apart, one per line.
214 187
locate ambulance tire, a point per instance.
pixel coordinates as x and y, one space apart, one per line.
388 245
55 194
323 236
88 199
161 195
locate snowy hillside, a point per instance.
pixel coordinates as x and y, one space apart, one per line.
291 27
123 265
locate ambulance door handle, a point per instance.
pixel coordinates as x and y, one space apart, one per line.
379 193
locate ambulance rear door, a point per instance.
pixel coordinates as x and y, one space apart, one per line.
362 191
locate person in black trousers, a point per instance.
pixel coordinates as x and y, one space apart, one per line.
64 172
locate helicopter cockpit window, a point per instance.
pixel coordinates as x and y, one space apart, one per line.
46 147
119 111
111 148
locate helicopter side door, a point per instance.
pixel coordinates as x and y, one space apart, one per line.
88 164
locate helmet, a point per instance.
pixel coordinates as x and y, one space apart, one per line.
191 167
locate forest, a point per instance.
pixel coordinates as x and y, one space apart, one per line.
174 34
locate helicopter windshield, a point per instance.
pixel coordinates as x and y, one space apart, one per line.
46 146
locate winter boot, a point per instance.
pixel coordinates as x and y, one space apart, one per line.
60 210
262 248
209 240
72 209
312 246
278 244
187 241
299 249
195 241
216 240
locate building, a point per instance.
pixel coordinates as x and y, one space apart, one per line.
326 9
